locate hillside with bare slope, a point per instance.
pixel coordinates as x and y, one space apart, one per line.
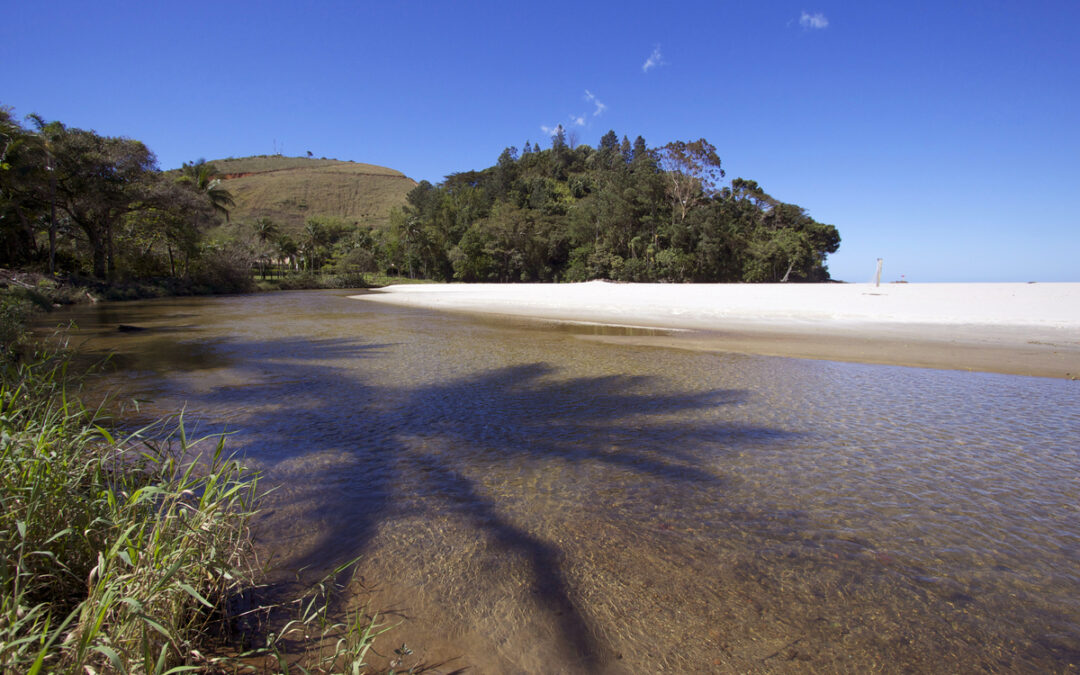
289 190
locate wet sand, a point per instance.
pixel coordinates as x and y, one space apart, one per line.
1020 329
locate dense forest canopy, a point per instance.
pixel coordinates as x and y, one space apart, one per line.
621 211
76 202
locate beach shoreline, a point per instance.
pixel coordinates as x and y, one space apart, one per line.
1019 329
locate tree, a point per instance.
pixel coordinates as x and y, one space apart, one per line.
102 192
506 172
311 241
749 191
98 180
318 235
640 152
265 231
608 153
794 245
287 249
172 215
692 170
409 240
558 139
46 131
201 176
473 258
23 197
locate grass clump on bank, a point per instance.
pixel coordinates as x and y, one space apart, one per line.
116 552
133 554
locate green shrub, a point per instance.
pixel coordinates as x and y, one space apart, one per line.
226 270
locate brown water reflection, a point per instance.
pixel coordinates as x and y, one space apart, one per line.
536 502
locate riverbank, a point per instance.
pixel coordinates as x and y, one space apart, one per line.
24 293
157 521
1021 329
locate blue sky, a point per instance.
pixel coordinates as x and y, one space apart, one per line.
943 137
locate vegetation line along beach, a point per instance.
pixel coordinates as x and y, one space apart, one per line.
75 202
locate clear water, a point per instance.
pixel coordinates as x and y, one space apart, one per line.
536 502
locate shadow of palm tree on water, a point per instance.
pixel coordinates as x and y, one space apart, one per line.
391 452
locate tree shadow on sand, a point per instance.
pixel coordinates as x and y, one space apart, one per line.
302 399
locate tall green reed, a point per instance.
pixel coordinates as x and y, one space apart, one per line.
116 551
127 553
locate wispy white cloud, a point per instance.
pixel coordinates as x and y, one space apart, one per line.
600 107
655 59
577 119
813 21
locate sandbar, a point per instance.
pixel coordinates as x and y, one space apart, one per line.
1014 328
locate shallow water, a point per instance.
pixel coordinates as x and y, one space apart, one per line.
537 502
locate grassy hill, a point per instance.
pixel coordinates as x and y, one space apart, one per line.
289 190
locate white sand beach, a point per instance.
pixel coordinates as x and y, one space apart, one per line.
1027 329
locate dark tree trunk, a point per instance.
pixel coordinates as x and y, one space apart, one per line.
99 251
110 251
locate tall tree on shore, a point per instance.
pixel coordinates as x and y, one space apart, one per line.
202 176
692 171
265 231
312 241
22 197
98 180
170 215
46 132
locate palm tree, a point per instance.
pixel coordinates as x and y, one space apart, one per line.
264 230
314 239
286 247
200 175
46 132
